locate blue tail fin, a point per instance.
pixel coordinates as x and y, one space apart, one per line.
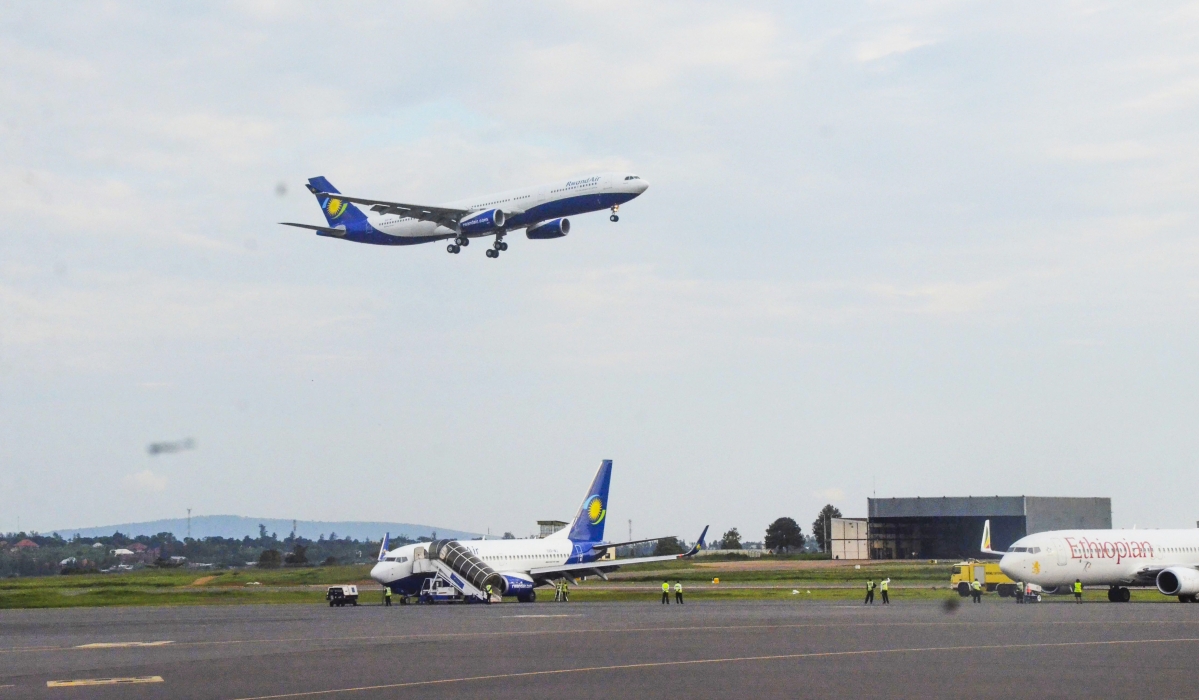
337 212
588 525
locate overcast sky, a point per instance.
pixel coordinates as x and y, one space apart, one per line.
910 248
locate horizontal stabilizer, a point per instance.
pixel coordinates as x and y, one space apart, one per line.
323 229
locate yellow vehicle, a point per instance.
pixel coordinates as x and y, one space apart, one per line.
985 572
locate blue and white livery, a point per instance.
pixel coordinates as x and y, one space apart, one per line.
540 211
518 566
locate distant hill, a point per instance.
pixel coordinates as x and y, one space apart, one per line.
238 526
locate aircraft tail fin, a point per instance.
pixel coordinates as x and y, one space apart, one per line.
985 545
588 525
338 212
383 547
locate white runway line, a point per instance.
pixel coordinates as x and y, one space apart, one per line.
122 645
103 681
508 617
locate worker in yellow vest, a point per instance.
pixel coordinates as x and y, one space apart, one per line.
678 592
565 590
1077 591
883 587
976 591
488 587
387 596
666 592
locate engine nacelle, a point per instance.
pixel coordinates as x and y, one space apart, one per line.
515 583
555 228
1178 580
483 222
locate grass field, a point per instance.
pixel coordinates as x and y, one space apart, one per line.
759 579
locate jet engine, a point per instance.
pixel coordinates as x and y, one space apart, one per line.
1178 580
483 221
515 583
555 228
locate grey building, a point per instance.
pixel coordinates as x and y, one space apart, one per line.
951 527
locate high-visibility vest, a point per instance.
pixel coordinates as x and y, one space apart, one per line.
678 587
883 585
1078 586
489 589
976 585
870 585
387 592
665 587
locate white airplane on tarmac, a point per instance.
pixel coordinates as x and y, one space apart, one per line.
541 211
516 567
1167 559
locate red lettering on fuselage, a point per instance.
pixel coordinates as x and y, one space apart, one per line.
1086 548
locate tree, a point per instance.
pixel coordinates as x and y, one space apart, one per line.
261 531
667 546
270 559
509 536
784 535
819 530
731 540
298 555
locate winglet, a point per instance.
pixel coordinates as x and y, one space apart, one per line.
699 544
383 547
985 545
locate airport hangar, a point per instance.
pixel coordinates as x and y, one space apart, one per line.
952 527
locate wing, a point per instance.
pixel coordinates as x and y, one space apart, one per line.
600 568
443 216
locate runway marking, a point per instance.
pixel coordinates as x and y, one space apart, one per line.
696 662
103 681
516 616
619 630
121 645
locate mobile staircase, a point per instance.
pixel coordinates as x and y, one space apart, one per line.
458 575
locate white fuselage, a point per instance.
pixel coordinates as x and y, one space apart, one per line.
527 206
504 556
1098 557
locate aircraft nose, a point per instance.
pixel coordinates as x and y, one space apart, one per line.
379 573
641 186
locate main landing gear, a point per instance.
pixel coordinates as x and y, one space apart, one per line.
614 218
1119 594
459 243
500 245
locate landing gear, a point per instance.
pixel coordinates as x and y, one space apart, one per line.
1119 594
452 248
462 241
493 253
530 597
614 218
1188 599
500 245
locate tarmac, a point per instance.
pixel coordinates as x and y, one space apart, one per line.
703 649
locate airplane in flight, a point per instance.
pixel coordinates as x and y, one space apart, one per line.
541 211
516 567
1166 559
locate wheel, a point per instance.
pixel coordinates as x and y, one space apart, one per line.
462 241
453 248
530 597
492 253
502 245
330 603
1186 599
614 218
1125 595
963 589
1113 595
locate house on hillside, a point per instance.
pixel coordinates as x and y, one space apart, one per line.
27 544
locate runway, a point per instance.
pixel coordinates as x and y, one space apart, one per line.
602 650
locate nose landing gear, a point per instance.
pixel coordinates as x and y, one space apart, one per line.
614 218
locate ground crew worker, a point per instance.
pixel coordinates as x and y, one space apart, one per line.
869 592
976 591
1020 593
678 592
1077 591
565 590
488 589
883 586
557 591
666 592
387 597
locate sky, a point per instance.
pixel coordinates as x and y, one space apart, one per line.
915 248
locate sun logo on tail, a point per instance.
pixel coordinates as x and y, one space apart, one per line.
335 207
595 510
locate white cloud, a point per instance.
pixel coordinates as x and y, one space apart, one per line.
145 481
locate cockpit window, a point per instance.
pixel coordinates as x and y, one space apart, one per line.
632 177
1017 549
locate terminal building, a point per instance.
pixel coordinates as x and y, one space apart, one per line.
951 527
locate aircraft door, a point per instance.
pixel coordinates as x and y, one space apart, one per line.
1060 547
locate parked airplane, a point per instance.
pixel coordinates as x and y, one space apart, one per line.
516 567
541 211
1167 559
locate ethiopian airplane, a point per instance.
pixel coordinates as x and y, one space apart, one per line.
1167 559
541 211
518 566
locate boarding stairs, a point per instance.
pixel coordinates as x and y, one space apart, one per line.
455 567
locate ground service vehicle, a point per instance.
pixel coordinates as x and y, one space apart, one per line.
342 595
985 572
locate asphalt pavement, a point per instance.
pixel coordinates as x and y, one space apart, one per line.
603 650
